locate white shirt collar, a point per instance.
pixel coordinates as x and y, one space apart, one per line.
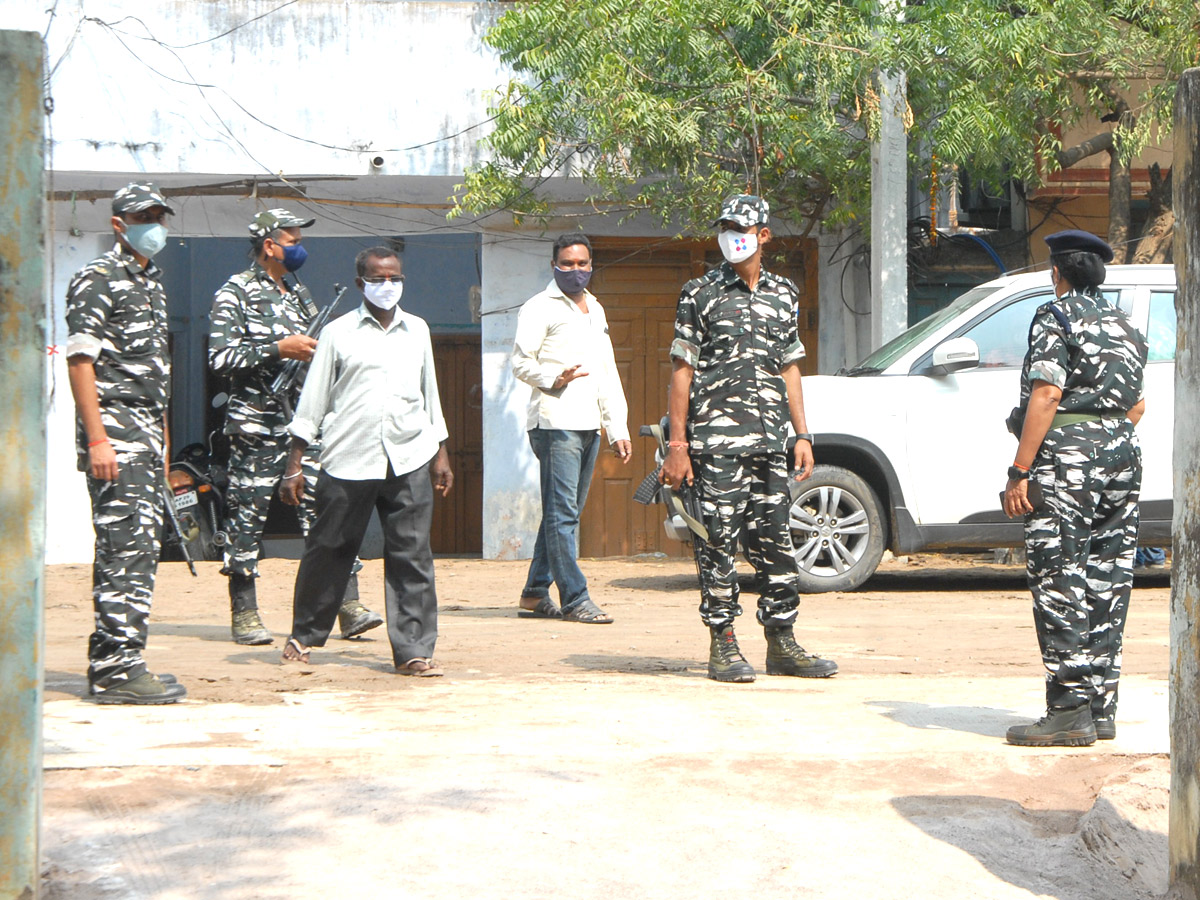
398 320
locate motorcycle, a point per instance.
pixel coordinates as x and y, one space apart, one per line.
198 484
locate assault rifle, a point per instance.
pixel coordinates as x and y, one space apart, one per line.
282 386
174 531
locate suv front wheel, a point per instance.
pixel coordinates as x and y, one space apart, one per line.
837 530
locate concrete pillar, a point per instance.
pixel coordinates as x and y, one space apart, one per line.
1184 829
889 214
23 462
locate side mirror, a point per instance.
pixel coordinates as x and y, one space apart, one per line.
953 356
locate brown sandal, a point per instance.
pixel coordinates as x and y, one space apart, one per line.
421 667
294 651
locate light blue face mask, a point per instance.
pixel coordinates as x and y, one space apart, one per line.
147 240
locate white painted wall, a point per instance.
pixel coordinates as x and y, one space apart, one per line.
514 269
69 537
319 86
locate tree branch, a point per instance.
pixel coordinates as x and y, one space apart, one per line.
1090 147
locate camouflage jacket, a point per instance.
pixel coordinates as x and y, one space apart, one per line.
117 316
249 316
738 342
1097 365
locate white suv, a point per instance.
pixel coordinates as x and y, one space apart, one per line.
910 444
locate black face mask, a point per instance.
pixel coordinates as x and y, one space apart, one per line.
572 281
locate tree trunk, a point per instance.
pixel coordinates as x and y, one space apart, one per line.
1154 246
1184 830
1120 197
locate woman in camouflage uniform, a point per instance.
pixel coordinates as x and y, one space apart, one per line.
1081 390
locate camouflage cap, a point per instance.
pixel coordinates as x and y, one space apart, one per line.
273 219
744 210
137 196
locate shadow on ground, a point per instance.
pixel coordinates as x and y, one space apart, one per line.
1063 854
635 665
158 818
971 719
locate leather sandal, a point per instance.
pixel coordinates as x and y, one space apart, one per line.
587 613
420 667
539 608
294 651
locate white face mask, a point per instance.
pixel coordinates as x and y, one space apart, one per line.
383 296
736 246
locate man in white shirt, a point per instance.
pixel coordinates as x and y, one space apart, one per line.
563 351
372 396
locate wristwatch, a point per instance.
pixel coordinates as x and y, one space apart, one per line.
806 437
1016 473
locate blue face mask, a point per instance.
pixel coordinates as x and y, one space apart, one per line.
294 257
147 240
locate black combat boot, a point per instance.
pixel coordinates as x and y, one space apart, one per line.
1104 719
786 657
725 660
1058 728
247 627
353 617
144 690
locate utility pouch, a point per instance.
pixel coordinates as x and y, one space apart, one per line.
1034 492
1016 421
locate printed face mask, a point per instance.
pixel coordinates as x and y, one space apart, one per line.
147 240
383 296
736 246
572 281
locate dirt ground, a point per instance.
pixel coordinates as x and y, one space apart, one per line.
598 761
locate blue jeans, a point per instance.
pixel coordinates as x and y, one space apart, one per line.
566 459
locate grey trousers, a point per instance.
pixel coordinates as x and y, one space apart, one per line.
343 511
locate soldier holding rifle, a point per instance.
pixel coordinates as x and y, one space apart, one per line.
259 322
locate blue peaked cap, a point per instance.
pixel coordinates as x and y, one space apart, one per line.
1074 240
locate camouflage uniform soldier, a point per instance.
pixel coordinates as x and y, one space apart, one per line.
120 378
1081 389
735 385
258 322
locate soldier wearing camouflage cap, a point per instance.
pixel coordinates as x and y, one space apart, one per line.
259 318
734 387
1081 396
119 370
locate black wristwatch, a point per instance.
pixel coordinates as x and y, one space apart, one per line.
805 437
1016 473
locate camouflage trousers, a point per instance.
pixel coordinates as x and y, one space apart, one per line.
1079 550
127 515
256 463
745 496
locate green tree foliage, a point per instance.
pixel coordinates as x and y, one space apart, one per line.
668 105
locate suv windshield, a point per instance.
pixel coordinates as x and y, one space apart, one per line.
906 340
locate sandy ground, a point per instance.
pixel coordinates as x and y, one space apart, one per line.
597 761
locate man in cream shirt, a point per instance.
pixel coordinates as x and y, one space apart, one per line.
563 352
371 396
